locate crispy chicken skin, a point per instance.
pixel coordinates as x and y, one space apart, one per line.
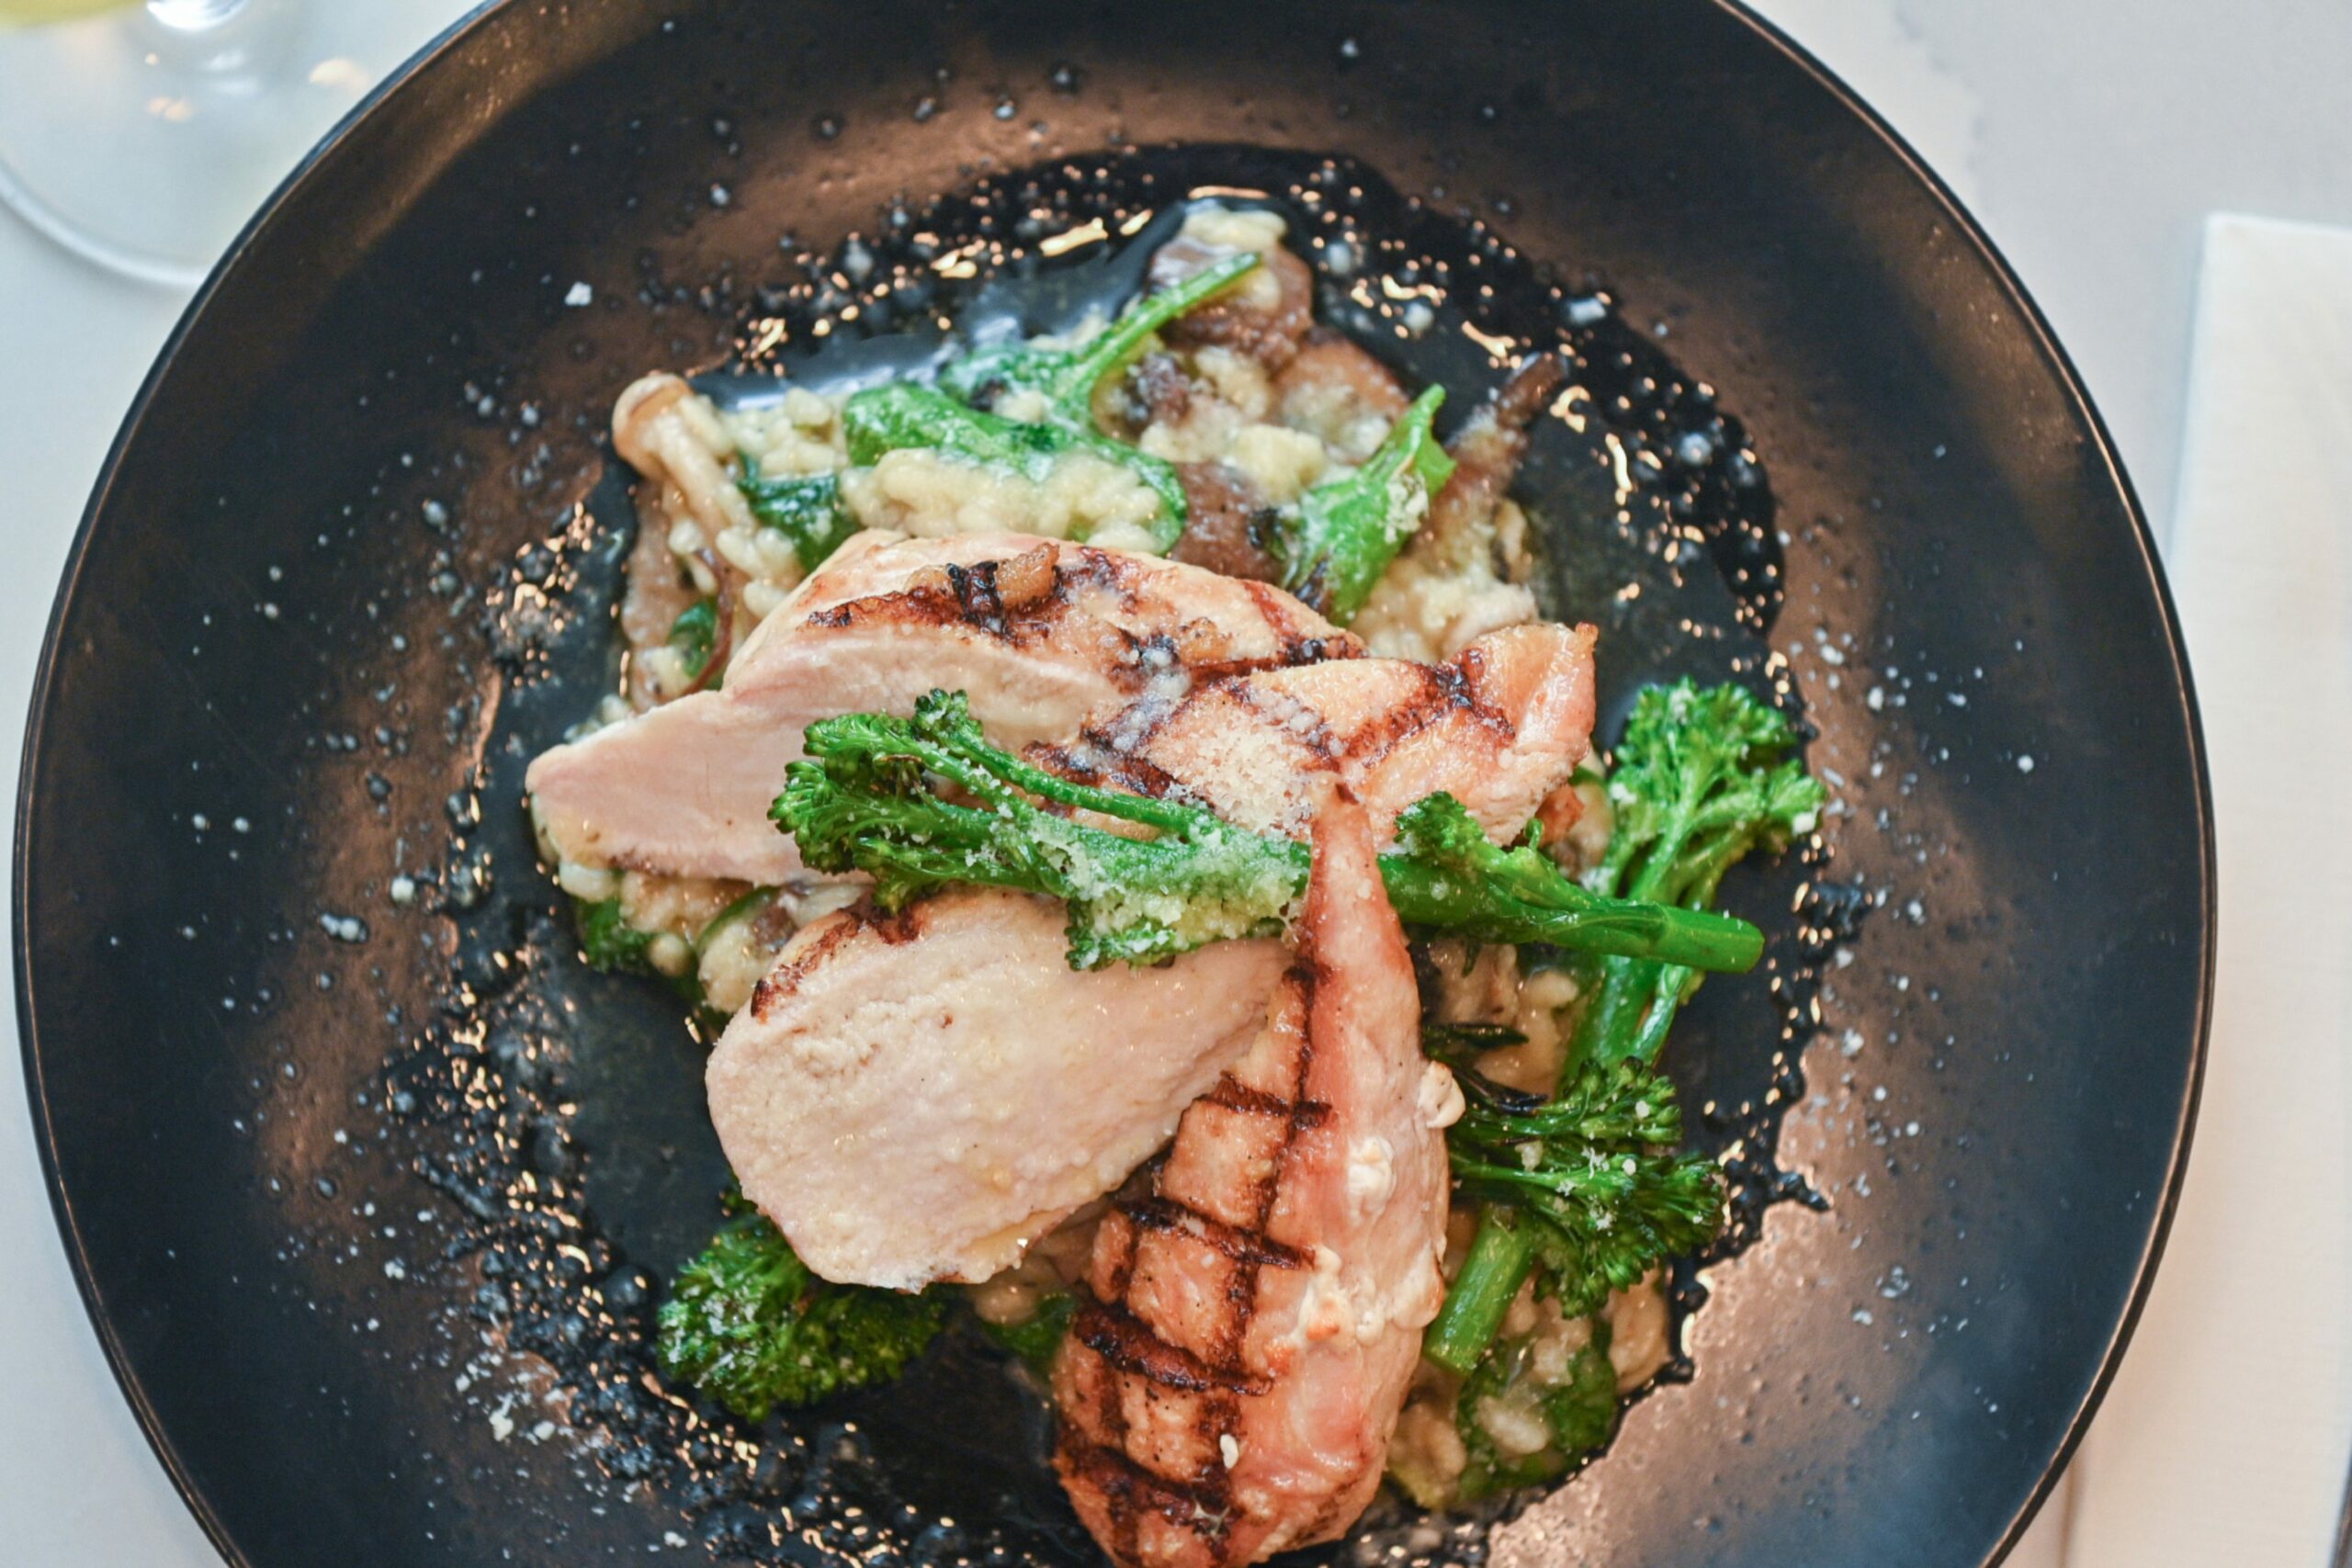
1253 1309
919 1097
1039 631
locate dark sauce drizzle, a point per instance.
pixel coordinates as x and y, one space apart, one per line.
498 1104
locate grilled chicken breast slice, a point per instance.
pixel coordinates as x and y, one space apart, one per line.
919 1097
1040 632
1499 727
1229 1390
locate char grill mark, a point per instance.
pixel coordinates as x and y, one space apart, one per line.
1277 608
1445 690
967 595
976 593
1254 1247
1023 601
1113 755
1129 1344
1291 718
1096 763
1231 1094
1201 1507
1129 1347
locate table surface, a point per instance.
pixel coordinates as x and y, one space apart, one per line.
2090 138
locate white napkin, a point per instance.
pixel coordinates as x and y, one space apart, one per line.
2227 1436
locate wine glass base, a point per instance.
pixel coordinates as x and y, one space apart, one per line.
144 148
60 229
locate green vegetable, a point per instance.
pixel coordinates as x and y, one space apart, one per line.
742 908
694 633
1038 1338
1447 874
805 509
897 417
1067 378
900 416
1703 777
1344 533
749 1326
1587 1190
609 943
866 798
1460 1044
1579 1412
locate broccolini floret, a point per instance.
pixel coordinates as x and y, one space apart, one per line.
868 798
608 941
1552 1404
948 418
1340 538
1703 777
750 1326
1588 1189
1036 1338
1574 1405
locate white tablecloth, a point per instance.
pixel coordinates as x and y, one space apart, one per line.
2227 1435
2092 136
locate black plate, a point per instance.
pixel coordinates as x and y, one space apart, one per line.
262 696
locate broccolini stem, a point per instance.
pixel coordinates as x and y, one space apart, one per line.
1632 1001
1704 775
1584 1192
1516 909
1499 1262
865 800
1067 378
1123 338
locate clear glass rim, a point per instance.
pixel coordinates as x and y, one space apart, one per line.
145 266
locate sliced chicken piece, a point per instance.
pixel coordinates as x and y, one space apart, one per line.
917 1121
1039 631
1230 1389
1499 730
1499 727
